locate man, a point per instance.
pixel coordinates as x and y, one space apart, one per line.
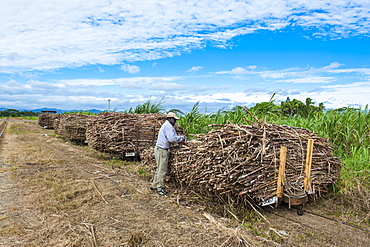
166 135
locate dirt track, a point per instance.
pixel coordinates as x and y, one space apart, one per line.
54 193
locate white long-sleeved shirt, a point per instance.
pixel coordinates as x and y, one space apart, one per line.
166 135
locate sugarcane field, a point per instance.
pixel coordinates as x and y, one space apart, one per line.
83 180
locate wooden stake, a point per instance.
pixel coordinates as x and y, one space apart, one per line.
96 188
307 178
281 175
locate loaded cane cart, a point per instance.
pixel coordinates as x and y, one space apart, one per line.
47 119
293 195
125 134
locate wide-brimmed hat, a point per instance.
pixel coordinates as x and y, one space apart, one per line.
171 114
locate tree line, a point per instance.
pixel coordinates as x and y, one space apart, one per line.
16 113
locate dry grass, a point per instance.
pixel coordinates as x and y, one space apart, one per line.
60 194
350 205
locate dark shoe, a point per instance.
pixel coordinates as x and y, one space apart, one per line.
162 192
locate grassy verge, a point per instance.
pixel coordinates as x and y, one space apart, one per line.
22 118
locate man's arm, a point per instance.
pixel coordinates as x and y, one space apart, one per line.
172 135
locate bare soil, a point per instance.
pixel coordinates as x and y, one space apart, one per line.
56 193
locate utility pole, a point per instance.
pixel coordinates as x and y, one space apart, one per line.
109 105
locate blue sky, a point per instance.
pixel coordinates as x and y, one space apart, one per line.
78 54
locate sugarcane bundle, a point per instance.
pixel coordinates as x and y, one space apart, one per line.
47 120
241 162
118 133
73 126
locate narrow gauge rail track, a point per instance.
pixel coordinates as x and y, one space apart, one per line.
312 226
322 216
338 221
3 125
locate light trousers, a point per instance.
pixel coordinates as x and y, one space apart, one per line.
161 158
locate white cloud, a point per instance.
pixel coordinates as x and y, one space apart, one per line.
275 74
337 96
132 69
305 75
41 35
330 67
358 86
311 79
252 67
131 82
365 71
194 69
126 92
239 70
332 96
333 65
